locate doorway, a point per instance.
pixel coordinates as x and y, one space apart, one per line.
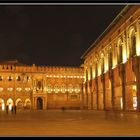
39 103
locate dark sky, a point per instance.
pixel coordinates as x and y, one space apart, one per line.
52 35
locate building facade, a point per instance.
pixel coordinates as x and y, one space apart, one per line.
40 87
112 65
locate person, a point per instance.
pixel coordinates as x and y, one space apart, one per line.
12 110
63 108
7 109
15 109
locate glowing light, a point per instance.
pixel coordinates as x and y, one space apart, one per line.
1 89
134 88
64 76
138 47
27 89
121 103
135 102
2 77
19 89
10 106
3 106
10 89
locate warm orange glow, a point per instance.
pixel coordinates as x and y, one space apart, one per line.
138 47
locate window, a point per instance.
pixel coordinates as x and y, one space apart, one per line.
10 78
49 88
56 88
77 88
70 88
91 72
1 78
132 44
110 58
74 97
11 67
96 69
86 75
18 78
119 53
63 88
102 65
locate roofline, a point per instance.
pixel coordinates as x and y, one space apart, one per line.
123 11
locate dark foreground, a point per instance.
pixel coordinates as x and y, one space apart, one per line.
69 123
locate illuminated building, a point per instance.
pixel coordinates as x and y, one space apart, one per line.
40 87
112 65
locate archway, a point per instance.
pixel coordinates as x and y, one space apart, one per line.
2 105
39 103
19 103
10 103
27 104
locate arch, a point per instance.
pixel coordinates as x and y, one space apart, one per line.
63 88
19 103
56 88
119 51
110 58
77 88
39 103
10 103
91 72
27 104
2 105
49 88
132 41
70 88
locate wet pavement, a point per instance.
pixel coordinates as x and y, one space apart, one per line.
69 123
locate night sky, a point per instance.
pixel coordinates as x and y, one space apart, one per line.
52 35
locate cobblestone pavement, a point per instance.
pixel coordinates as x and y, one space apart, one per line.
69 123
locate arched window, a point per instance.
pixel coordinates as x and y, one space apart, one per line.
132 43
49 88
102 65
9 78
96 69
110 58
119 52
86 75
63 88
56 88
77 88
70 88
1 78
91 72
18 78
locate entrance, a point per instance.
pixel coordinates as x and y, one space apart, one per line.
39 103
